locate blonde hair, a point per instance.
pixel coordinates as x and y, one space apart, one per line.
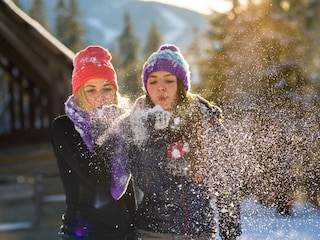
82 102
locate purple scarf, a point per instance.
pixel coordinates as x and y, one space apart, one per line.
120 169
81 121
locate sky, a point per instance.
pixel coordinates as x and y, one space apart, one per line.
201 6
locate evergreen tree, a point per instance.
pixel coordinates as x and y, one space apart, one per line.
257 67
245 46
69 30
61 15
128 43
154 40
214 64
194 55
38 12
195 46
130 69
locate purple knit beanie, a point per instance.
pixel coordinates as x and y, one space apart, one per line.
167 58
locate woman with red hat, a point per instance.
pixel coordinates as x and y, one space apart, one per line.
77 137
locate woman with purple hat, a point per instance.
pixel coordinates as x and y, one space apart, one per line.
180 156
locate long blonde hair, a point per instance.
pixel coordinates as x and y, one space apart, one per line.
81 101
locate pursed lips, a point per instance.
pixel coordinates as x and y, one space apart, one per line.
162 98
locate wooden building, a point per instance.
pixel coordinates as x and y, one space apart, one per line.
35 73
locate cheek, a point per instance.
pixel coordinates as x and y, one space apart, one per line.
108 98
173 91
151 91
90 99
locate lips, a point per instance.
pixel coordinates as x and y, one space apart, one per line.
162 98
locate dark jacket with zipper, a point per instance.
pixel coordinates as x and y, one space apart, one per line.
91 212
171 204
177 203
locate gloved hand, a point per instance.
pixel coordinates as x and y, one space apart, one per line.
148 123
101 120
157 118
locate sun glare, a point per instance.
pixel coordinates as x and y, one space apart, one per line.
201 6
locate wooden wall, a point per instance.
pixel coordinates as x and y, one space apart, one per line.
35 77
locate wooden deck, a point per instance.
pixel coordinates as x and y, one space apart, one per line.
31 193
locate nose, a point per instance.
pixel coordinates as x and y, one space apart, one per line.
101 94
100 98
161 87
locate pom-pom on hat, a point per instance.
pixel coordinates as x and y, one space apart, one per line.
167 58
92 62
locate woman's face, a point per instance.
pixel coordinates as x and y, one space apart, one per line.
99 92
162 88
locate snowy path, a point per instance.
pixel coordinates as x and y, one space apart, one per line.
262 223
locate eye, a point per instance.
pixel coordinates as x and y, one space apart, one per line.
92 90
170 80
107 89
152 82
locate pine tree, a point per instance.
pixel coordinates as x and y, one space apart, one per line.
69 30
128 43
38 12
257 65
129 66
245 46
154 40
194 53
61 15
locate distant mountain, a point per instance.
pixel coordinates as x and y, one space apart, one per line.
104 20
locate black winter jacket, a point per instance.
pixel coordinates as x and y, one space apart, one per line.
176 203
91 212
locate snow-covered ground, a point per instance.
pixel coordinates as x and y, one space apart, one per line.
258 223
263 223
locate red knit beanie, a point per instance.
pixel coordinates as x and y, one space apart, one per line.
92 62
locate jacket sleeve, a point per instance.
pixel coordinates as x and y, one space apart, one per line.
71 152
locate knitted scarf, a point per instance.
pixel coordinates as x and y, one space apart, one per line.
81 121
